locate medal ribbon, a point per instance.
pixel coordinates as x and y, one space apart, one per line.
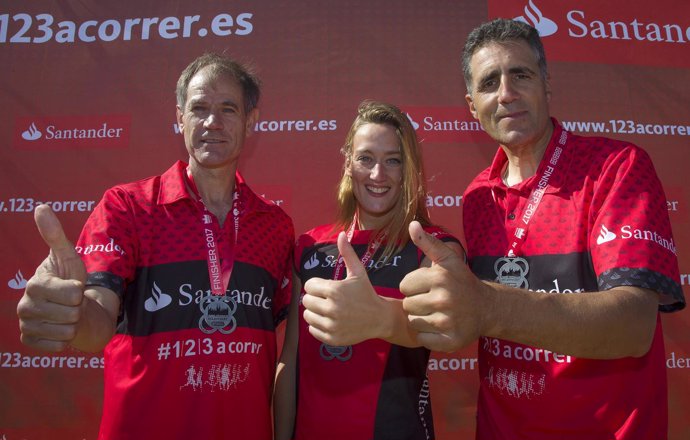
520 232
219 271
371 249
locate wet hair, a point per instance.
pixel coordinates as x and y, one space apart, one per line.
221 65
499 31
412 202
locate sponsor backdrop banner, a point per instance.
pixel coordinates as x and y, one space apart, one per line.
88 99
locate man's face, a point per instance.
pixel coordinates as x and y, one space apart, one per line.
213 120
509 97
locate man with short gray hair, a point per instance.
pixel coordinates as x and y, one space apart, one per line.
571 256
185 282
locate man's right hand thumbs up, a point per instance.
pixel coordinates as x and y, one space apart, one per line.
444 302
51 307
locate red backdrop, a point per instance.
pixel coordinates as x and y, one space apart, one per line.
619 68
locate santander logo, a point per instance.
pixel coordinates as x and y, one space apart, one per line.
535 18
445 124
55 132
415 125
158 299
612 32
32 133
605 236
18 282
312 262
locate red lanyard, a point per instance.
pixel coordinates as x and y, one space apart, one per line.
520 232
219 270
371 249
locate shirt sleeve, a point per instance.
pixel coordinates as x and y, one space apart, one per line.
107 243
630 239
441 234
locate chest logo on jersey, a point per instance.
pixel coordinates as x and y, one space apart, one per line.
158 299
330 261
312 262
187 295
512 272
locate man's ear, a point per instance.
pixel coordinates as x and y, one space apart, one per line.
178 113
470 104
252 119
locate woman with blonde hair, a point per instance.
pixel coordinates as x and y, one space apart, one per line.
374 385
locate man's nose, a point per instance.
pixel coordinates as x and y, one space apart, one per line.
507 91
213 121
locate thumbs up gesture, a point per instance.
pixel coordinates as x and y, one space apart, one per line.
348 311
51 307
445 303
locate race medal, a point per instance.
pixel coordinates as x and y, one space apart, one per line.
512 272
218 314
330 352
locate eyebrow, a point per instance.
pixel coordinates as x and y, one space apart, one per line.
231 103
512 71
369 151
191 101
521 69
226 103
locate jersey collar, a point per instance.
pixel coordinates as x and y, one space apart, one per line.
558 178
173 189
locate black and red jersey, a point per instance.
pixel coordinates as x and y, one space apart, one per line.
371 390
164 376
602 222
